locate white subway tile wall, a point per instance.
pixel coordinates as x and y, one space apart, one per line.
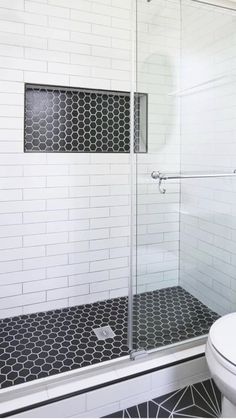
207 223
64 219
64 225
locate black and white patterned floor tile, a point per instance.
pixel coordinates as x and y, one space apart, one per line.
43 344
201 400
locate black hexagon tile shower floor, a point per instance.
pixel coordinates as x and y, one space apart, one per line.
168 316
43 344
201 400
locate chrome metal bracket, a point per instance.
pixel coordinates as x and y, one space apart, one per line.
141 353
157 175
162 189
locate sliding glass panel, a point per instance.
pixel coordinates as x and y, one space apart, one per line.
208 127
158 66
186 237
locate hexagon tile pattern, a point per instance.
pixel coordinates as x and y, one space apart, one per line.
201 400
77 120
168 316
39 345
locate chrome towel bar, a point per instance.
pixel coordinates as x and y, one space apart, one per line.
163 176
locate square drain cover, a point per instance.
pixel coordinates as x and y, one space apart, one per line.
104 333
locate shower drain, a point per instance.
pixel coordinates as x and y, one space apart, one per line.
104 333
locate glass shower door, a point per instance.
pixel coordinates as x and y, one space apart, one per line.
208 126
185 238
157 235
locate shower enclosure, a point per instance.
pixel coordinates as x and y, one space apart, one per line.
185 183
114 254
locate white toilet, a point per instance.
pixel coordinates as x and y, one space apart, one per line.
221 359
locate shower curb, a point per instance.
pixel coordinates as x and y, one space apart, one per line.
110 382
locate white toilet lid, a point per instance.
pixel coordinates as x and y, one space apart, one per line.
223 337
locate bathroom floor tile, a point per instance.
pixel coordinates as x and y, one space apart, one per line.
179 404
43 344
168 316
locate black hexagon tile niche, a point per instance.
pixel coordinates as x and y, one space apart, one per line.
43 344
201 400
82 121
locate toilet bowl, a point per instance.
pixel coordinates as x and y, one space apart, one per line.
221 360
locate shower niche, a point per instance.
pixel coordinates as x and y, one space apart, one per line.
75 120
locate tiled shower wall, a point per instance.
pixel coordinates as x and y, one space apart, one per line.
65 218
207 223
